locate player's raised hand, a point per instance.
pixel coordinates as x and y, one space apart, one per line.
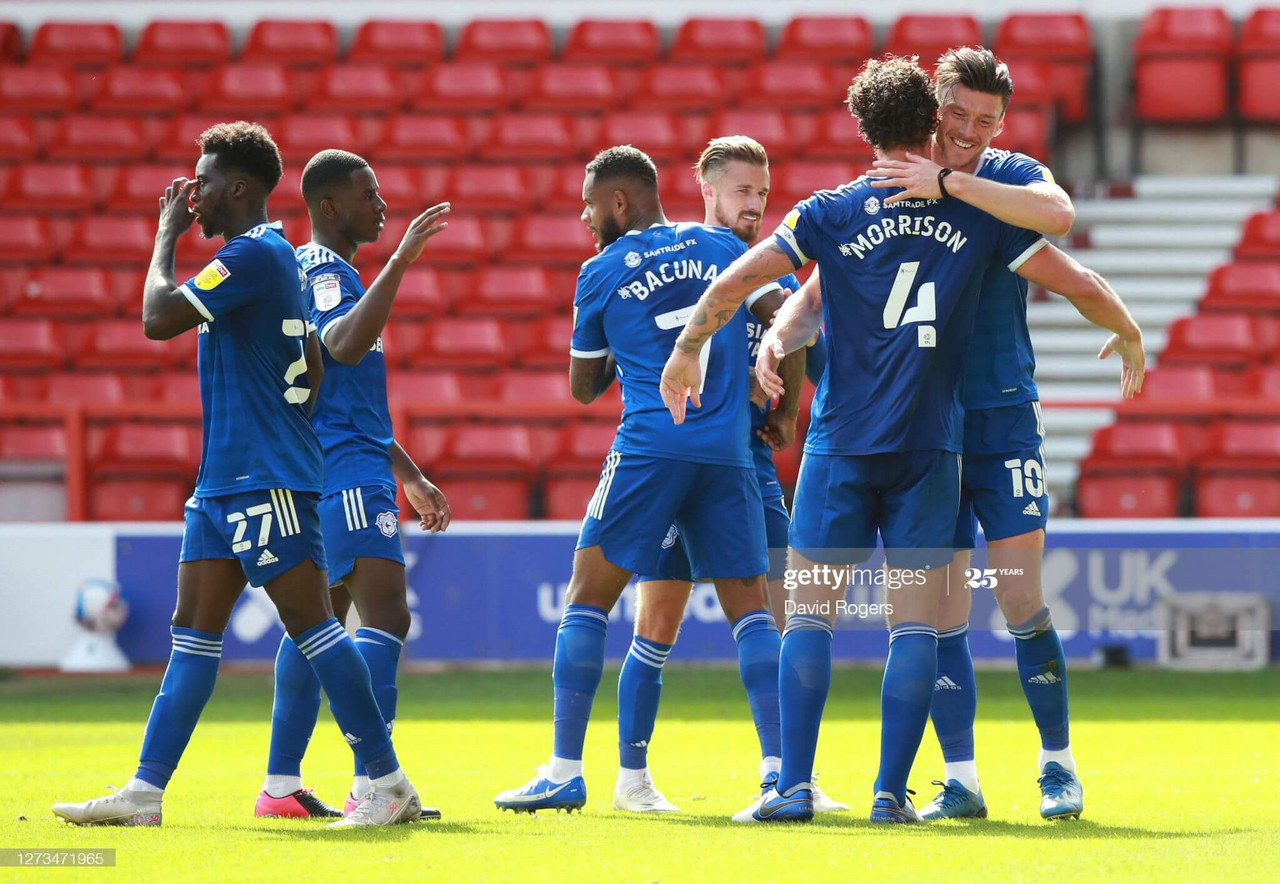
918 176
1132 358
175 215
421 229
430 503
771 354
681 380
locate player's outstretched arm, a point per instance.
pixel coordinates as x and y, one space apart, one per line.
1097 302
166 312
589 378
1041 206
796 323
355 334
765 263
428 500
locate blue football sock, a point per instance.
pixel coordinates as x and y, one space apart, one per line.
758 648
639 689
186 688
576 675
293 714
955 695
909 676
804 678
1042 669
345 678
381 652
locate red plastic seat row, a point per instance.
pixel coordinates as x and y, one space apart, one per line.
1228 340
1181 65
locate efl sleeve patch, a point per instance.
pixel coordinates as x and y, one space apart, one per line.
212 275
326 289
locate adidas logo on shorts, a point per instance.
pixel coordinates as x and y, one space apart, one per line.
266 559
1046 678
1031 509
946 684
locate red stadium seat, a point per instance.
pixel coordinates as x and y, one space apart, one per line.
423 293
1258 101
424 388
48 187
17 140
78 388
719 40
1262 381
843 40
768 126
607 41
549 346
575 88
800 179
25 239
1244 287
106 240
549 388
1175 382
137 500
549 239
177 143
509 41
129 447
33 442
488 450
10 41
65 291
655 131
791 85
1225 340
355 89
257 88
75 44
568 498
1261 238
1064 43
402 44
491 188
931 35
1026 130
138 187
1242 446
176 389
462 343
141 90
488 499
120 343
100 139
530 136
677 87
582 449
1237 497
292 42
1137 447
836 137
300 137
509 290
466 242
28 344
1180 65
34 90
1127 497
183 44
418 137
463 86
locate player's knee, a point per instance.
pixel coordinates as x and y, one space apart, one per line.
1020 603
390 615
659 623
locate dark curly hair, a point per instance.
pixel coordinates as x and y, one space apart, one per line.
246 147
624 162
894 102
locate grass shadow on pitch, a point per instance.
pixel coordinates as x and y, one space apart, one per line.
381 833
1059 831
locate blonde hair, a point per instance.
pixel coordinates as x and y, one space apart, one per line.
719 152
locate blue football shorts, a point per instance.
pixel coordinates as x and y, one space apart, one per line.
673 562
270 531
1002 484
360 523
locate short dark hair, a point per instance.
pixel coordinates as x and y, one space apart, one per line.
894 102
624 161
327 169
247 147
975 68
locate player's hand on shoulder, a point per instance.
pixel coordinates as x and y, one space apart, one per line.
1133 360
430 504
176 216
918 176
681 378
421 229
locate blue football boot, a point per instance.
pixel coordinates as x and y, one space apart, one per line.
1062 796
886 809
954 802
540 793
794 807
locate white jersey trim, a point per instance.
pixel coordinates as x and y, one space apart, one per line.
196 302
585 354
1026 256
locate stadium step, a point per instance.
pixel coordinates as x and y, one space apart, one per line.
1194 211
1216 187
1163 236
1145 262
1084 342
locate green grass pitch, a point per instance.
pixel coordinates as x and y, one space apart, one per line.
1180 771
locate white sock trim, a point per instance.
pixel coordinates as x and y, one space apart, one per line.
562 770
359 786
137 785
965 772
629 778
279 785
770 764
390 781
1062 756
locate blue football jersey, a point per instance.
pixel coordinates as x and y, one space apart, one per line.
253 369
762 454
632 300
899 290
1000 369
351 415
